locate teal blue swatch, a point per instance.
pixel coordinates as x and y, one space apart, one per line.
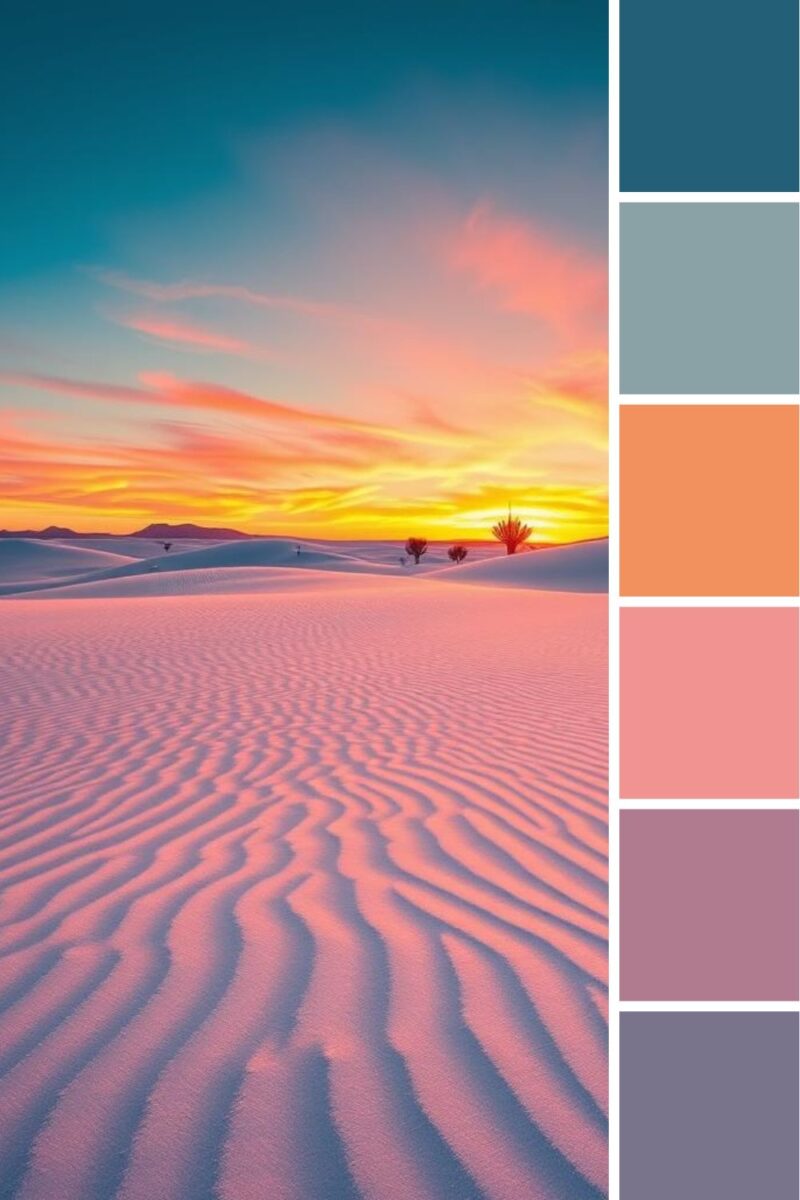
708 95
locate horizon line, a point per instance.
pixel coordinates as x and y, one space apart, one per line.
99 533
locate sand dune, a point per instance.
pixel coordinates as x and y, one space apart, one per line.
266 564
582 567
200 581
136 547
201 562
304 891
25 559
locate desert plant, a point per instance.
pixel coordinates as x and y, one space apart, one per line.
416 547
457 553
511 532
167 545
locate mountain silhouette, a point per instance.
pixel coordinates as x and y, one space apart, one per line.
158 532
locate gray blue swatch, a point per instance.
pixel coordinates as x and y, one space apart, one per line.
709 1106
709 298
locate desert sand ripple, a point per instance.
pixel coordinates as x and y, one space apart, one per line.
304 895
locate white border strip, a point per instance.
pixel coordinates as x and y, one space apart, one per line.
708 601
708 197
711 1006
613 599
697 805
714 398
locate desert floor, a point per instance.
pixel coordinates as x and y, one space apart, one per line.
303 887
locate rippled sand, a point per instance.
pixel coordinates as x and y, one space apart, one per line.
304 895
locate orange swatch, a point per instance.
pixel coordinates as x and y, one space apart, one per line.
709 500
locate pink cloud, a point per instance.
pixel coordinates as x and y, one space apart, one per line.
530 271
410 350
81 389
182 332
168 389
161 389
165 390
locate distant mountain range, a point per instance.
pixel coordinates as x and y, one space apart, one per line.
190 531
162 532
157 532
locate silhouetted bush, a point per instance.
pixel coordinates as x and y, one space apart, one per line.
457 553
167 545
511 532
416 547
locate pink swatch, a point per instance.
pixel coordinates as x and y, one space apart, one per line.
709 703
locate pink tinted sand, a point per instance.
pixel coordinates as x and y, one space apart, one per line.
304 896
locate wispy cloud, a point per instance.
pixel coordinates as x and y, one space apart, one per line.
78 388
171 293
528 270
179 331
164 390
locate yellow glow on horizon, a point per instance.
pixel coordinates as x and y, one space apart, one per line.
581 514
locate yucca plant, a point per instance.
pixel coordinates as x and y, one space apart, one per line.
512 532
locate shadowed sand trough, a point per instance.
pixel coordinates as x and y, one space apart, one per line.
304 894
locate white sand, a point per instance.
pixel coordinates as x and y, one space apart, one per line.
304 885
23 559
74 570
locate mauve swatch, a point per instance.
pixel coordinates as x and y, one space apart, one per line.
709 904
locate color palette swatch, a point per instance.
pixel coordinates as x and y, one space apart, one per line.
709 299
706 410
709 1106
730 527
708 96
708 904
709 703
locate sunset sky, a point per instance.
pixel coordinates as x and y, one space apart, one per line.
306 271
